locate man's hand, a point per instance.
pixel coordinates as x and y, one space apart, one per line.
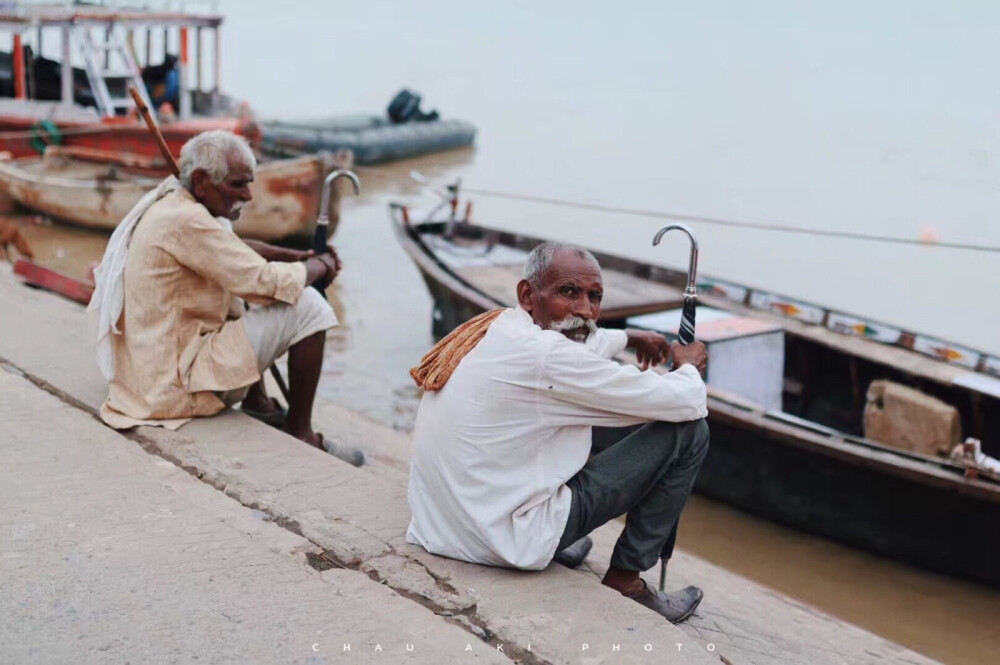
651 348
333 266
694 353
270 252
323 269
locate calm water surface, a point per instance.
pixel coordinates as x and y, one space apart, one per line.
870 117
855 116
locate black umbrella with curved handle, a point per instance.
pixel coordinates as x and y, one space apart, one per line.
685 334
321 235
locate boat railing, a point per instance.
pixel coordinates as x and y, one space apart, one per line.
827 326
73 27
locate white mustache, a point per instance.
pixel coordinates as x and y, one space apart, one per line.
574 322
239 206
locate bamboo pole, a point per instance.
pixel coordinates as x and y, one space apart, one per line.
140 105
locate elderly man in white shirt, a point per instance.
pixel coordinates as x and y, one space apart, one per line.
500 472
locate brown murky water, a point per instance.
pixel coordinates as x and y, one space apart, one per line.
385 310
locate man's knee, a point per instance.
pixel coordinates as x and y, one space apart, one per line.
693 435
700 436
313 316
313 304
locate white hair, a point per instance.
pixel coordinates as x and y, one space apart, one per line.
212 152
540 259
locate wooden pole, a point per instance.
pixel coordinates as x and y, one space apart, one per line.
130 39
140 105
149 47
19 91
184 95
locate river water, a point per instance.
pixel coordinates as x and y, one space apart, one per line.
851 116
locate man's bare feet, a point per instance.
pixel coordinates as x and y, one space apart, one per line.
314 439
349 454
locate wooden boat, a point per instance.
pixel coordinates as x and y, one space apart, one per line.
89 193
795 452
46 102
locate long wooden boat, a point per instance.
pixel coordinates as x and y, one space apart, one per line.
285 205
798 455
48 102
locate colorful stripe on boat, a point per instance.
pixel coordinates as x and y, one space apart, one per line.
731 292
850 325
793 309
957 355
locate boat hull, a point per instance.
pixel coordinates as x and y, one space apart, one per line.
18 135
786 477
286 195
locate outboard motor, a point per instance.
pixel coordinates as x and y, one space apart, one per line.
405 106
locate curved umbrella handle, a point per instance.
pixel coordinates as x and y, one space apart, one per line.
686 331
321 234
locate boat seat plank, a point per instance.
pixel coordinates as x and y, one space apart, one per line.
624 295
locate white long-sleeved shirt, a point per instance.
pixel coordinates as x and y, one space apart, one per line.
493 449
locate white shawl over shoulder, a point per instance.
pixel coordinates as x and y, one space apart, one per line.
109 294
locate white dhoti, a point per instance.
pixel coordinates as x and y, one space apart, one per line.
272 329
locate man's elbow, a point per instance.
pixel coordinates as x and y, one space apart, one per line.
697 400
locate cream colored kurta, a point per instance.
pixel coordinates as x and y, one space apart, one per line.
182 339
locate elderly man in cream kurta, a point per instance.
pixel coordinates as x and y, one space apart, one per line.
175 339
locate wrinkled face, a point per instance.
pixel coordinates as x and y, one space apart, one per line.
226 198
568 299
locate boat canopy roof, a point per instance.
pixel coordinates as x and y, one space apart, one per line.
44 15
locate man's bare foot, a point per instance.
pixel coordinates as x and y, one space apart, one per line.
349 454
314 439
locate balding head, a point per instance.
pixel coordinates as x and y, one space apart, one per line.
217 168
540 259
214 152
562 289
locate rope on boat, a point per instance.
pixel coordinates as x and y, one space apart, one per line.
782 228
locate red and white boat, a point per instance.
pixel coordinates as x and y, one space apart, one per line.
78 97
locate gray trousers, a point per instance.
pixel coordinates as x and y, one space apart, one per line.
647 476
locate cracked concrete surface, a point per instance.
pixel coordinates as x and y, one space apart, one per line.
111 555
356 518
353 515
